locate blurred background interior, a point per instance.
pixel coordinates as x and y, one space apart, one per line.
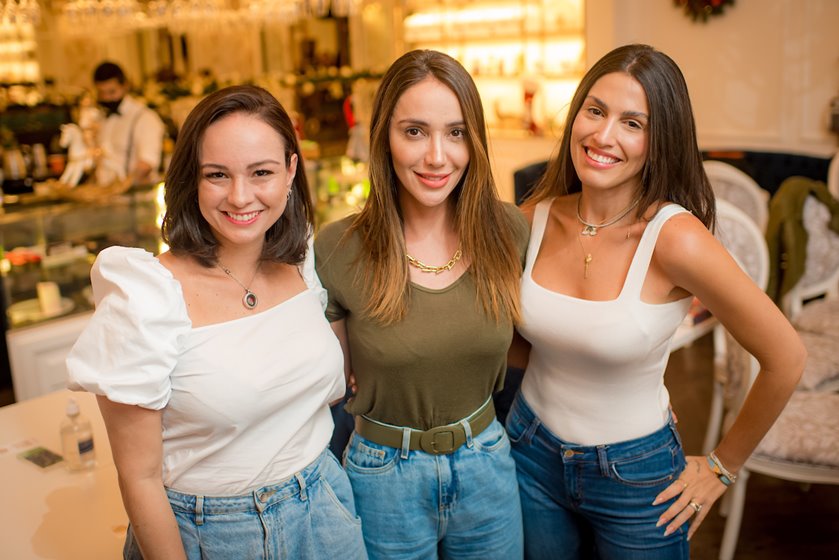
764 81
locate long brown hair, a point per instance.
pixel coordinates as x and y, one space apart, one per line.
184 228
484 228
673 170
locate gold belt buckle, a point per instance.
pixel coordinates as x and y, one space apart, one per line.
442 440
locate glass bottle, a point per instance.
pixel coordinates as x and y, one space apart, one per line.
77 439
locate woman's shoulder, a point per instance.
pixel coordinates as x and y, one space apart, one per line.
683 237
516 217
133 273
131 344
330 236
332 232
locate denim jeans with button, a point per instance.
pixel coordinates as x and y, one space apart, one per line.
418 505
309 516
594 501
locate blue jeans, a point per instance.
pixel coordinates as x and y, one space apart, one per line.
311 515
594 501
422 506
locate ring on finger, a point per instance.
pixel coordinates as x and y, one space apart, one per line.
684 485
696 507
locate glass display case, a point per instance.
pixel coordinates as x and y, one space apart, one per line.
48 245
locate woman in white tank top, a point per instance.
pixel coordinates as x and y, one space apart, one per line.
620 245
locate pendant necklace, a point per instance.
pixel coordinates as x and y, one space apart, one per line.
416 263
587 257
249 300
591 229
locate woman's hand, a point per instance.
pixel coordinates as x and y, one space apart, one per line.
697 489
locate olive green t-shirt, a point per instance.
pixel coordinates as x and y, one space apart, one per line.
437 365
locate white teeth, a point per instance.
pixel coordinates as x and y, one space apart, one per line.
243 217
601 159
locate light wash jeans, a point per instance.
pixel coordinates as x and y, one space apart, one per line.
415 505
309 516
594 501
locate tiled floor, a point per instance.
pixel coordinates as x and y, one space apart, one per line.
782 520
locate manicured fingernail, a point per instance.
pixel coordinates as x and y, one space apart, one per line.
659 523
656 501
668 531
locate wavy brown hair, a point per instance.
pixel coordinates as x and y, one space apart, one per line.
484 228
673 171
184 229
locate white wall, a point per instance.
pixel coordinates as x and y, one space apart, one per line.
761 75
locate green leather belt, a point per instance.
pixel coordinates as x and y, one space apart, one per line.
437 441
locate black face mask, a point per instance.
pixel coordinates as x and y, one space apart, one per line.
110 107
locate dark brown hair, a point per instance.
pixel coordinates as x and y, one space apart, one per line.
673 171
184 228
485 229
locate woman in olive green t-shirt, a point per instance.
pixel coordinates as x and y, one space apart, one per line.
427 342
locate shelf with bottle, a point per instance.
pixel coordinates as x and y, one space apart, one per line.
483 19
525 56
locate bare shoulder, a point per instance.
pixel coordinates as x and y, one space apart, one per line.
685 241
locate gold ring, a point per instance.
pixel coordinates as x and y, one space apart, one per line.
696 507
684 485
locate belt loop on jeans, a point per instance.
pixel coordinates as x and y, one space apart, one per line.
199 510
406 442
436 441
603 459
467 429
302 483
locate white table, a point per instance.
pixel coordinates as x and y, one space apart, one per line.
55 513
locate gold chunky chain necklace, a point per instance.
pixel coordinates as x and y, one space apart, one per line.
435 269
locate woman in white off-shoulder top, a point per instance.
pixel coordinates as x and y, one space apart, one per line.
219 364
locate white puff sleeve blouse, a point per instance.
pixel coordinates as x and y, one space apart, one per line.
245 403
130 347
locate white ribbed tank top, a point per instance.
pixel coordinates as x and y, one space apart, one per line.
596 369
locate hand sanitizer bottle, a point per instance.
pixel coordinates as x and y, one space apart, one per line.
77 439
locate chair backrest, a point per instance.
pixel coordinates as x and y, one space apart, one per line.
742 238
821 268
731 184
